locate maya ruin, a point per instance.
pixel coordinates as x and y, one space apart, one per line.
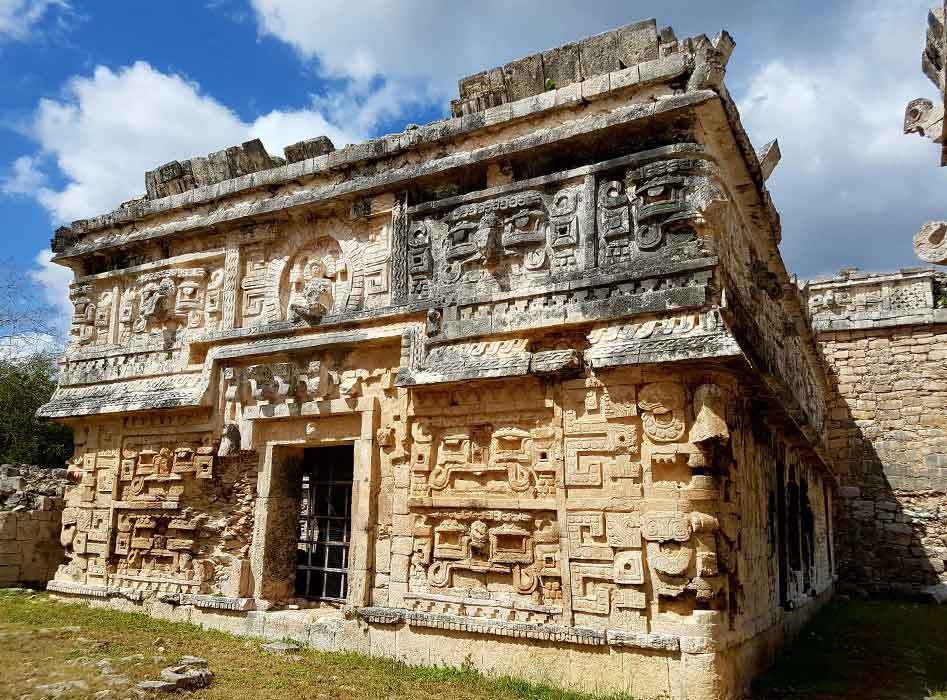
528 388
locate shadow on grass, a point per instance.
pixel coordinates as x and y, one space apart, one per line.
873 649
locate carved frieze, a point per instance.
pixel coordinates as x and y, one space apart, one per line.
664 214
487 549
504 242
615 222
127 522
643 210
500 459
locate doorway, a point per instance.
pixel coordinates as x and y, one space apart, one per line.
325 523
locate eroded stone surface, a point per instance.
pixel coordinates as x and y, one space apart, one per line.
922 116
884 339
546 328
31 506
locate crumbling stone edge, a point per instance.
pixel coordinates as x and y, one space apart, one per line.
387 617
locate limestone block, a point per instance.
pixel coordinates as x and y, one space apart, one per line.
637 43
561 66
8 525
27 529
310 148
599 54
9 573
12 483
524 77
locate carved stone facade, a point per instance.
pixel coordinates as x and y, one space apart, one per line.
531 375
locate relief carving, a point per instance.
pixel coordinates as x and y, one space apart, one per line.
662 406
494 243
498 459
83 327
709 415
663 214
477 550
313 277
615 222
172 298
127 523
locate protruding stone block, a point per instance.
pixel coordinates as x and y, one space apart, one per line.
310 148
524 77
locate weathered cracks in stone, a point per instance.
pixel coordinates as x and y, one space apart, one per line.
494 378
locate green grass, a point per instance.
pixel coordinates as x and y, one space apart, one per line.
865 649
36 649
854 649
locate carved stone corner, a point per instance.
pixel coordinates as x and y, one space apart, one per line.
709 421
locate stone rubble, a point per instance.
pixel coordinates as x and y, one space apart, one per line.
31 504
190 673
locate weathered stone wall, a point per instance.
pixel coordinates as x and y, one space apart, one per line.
553 335
154 508
646 527
884 339
31 504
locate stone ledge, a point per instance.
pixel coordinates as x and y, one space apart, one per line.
208 602
923 317
549 633
78 589
93 591
552 633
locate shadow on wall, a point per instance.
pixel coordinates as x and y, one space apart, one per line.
891 534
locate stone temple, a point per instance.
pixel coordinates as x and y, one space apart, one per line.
527 388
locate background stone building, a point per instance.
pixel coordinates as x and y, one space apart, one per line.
884 339
532 377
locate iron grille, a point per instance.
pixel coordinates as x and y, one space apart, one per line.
325 516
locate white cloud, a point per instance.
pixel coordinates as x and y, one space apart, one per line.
25 177
54 280
851 188
428 42
19 18
112 126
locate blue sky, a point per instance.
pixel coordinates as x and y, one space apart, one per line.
94 93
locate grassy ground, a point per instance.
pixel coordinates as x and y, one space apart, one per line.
39 644
876 650
872 649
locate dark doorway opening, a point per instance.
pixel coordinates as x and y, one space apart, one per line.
325 524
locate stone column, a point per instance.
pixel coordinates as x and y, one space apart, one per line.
272 562
364 482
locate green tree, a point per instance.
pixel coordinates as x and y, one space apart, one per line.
31 337
26 383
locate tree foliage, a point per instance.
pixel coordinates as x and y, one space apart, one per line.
31 336
26 383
